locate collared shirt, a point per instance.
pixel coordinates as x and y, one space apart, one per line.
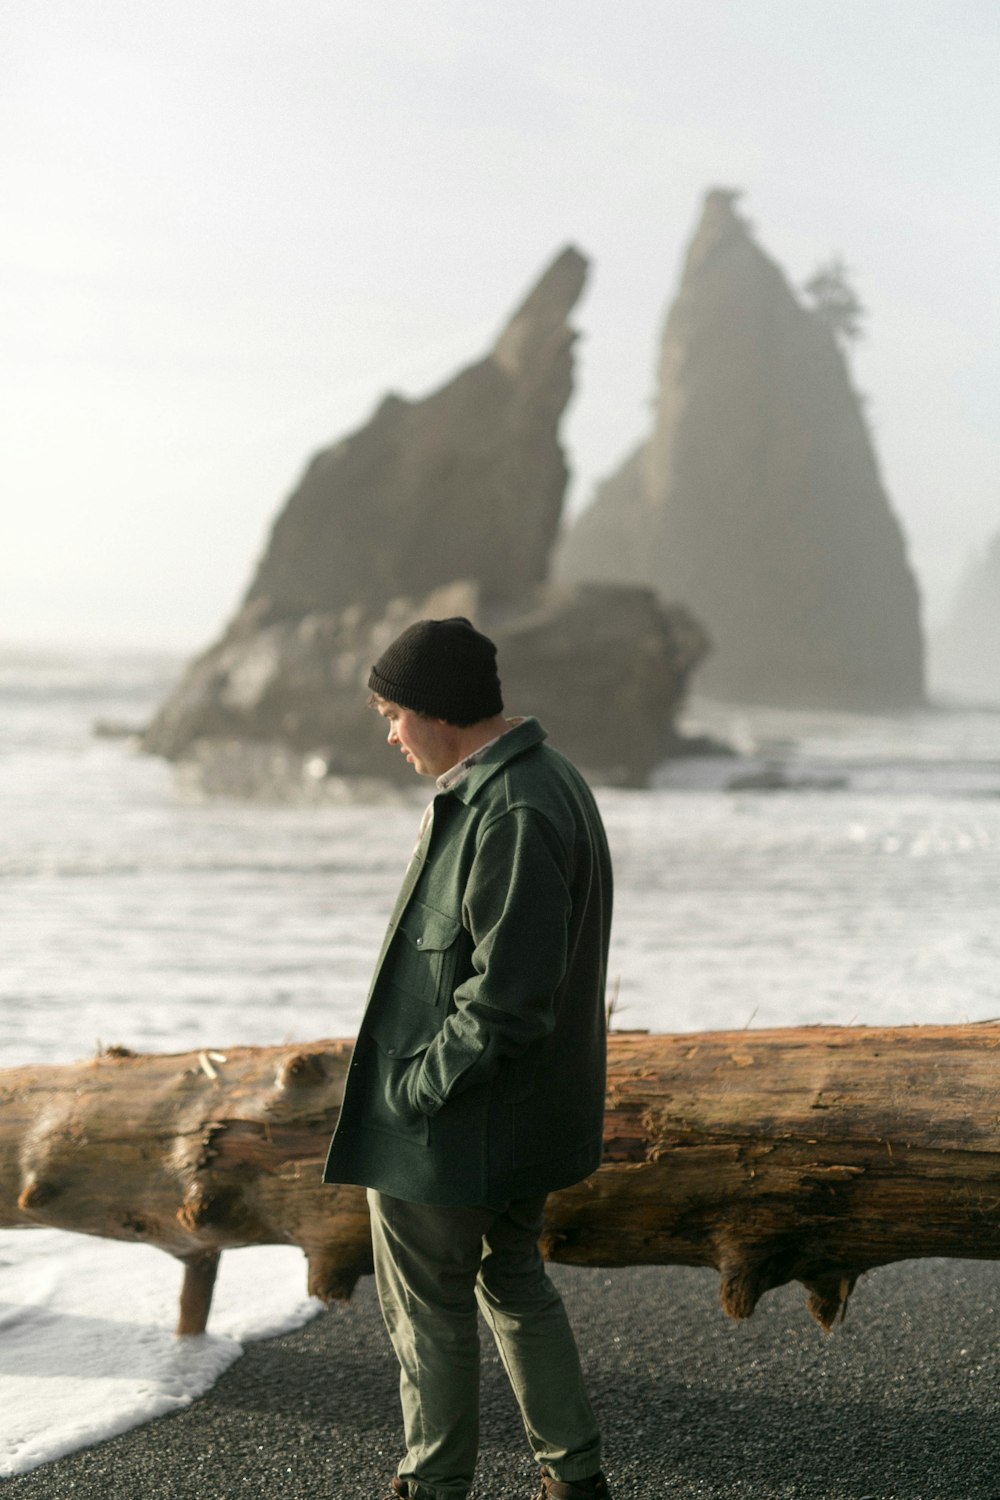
450 779
457 774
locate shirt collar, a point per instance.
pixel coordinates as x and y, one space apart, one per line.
495 758
454 777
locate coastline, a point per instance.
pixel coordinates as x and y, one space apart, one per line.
899 1403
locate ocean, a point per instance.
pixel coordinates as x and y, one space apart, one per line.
839 868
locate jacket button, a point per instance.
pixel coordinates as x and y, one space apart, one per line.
420 942
391 1051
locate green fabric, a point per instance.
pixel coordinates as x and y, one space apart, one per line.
432 1266
478 1074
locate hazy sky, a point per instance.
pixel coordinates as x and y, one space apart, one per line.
229 226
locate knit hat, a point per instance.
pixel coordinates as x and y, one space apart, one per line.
444 668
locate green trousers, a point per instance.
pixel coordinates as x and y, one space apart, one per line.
432 1266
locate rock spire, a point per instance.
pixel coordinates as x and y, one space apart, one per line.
441 506
756 499
467 482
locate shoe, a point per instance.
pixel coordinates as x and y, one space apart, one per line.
593 1488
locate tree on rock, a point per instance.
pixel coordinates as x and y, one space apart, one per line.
834 299
756 499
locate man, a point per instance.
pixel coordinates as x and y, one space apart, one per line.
477 1081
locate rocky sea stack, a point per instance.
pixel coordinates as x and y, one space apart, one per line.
756 500
449 504
965 654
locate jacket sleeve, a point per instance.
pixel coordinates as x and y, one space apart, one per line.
517 906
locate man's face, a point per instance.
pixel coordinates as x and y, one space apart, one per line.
428 744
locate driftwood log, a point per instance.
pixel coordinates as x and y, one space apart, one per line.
811 1153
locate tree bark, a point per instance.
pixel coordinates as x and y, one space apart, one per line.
808 1153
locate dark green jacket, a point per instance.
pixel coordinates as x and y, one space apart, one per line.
478 1074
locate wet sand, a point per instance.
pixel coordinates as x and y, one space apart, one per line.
899 1403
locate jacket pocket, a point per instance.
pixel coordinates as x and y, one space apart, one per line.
396 1048
423 963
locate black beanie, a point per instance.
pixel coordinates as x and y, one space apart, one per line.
443 668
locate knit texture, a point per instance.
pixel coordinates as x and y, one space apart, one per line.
444 668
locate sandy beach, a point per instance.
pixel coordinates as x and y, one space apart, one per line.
899 1403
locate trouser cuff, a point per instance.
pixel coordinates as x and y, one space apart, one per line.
418 1491
572 1470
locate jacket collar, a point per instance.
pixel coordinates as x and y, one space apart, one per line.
516 741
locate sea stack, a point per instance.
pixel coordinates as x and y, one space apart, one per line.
446 505
466 483
965 651
756 500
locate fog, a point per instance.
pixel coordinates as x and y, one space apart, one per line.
229 229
